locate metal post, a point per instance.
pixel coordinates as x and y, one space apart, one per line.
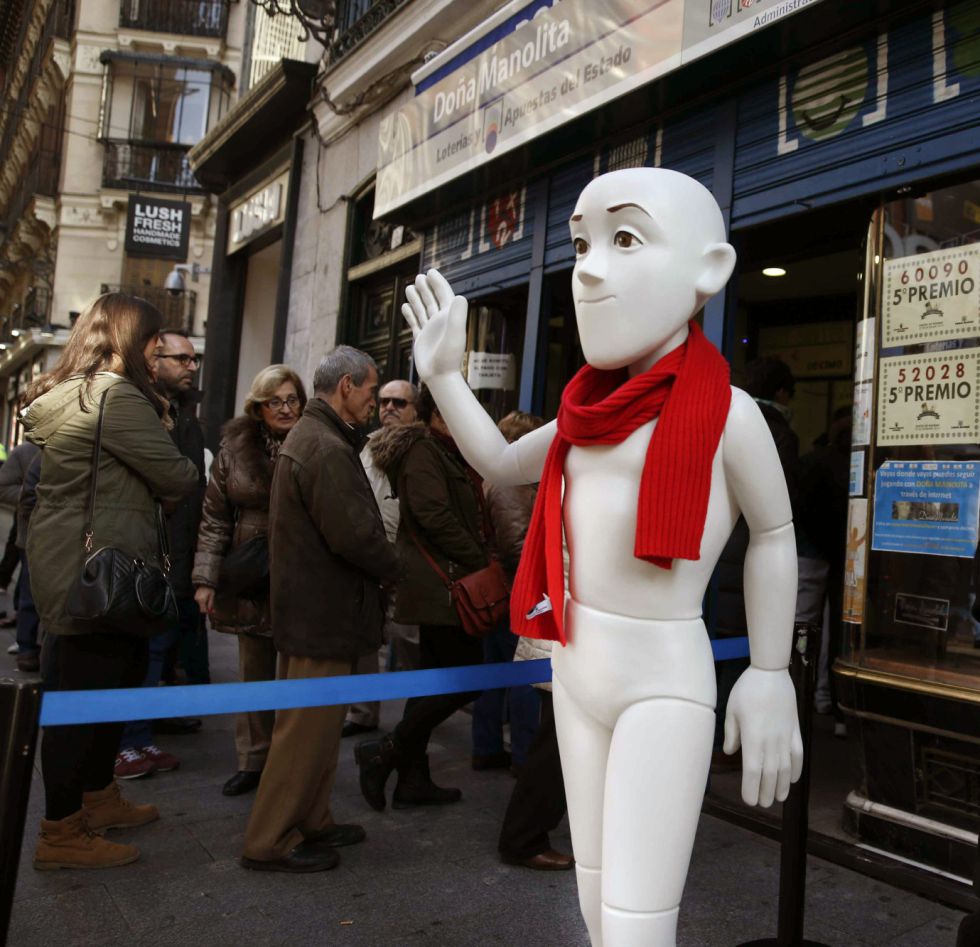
20 709
796 825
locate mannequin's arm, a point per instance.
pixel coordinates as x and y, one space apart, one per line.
438 321
762 707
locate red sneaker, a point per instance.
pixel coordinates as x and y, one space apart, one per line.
164 761
131 764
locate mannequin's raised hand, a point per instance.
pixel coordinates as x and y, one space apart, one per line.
762 718
437 318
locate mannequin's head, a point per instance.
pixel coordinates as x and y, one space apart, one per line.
649 251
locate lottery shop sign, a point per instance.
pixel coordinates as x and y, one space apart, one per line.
929 399
932 296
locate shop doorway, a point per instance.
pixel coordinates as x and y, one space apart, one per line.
258 317
803 314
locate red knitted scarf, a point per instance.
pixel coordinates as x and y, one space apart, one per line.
688 389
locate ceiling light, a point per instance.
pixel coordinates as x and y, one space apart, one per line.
774 271
15 332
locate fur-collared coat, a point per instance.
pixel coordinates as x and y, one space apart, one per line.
236 508
439 505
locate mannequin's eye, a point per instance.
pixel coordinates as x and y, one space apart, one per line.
581 246
625 240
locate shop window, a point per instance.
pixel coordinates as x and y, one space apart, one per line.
383 260
912 576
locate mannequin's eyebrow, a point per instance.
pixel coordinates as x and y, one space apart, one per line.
618 207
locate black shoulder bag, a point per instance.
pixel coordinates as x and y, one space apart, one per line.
117 591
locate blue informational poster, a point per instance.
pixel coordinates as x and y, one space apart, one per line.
927 507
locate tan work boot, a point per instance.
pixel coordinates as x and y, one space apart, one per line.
106 809
70 843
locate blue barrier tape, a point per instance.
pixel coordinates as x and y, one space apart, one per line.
141 703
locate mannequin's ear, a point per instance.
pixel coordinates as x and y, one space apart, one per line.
717 265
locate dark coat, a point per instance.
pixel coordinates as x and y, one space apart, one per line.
138 462
439 505
729 608
184 521
328 552
236 508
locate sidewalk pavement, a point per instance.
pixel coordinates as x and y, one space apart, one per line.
427 876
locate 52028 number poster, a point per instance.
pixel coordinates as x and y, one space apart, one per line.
929 399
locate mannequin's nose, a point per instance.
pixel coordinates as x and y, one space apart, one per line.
591 269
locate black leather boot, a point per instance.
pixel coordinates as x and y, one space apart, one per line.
415 787
375 760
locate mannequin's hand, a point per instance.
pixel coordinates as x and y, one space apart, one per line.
438 322
762 718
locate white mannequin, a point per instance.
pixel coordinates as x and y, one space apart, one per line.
634 689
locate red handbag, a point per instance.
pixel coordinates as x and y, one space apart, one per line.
481 599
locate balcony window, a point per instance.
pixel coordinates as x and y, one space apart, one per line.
356 21
171 106
184 17
154 108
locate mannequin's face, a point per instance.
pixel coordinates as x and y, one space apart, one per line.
641 249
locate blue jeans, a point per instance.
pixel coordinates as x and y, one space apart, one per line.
139 733
522 703
27 617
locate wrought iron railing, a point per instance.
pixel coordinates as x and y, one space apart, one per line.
356 21
162 167
185 17
177 308
41 178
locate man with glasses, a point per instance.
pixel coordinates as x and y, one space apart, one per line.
176 366
396 406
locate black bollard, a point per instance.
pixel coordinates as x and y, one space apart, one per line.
20 709
796 823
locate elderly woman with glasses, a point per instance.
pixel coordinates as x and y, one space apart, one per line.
236 511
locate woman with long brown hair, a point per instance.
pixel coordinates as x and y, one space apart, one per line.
110 352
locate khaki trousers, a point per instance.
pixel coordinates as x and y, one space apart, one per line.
293 799
253 731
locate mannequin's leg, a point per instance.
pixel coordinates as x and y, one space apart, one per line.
655 781
584 746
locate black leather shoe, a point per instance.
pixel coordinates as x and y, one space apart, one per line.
352 729
306 857
242 782
178 725
375 759
415 787
337 836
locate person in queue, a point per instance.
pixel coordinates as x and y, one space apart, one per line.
442 513
110 350
329 559
176 364
236 510
396 405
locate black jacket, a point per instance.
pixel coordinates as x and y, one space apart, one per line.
328 551
183 522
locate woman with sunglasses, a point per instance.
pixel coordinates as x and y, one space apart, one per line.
236 510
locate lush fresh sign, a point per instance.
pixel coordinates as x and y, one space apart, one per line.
158 228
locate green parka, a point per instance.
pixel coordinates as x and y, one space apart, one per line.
439 504
138 462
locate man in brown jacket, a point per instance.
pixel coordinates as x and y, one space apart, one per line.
328 558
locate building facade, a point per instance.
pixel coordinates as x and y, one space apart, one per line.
840 141
106 98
